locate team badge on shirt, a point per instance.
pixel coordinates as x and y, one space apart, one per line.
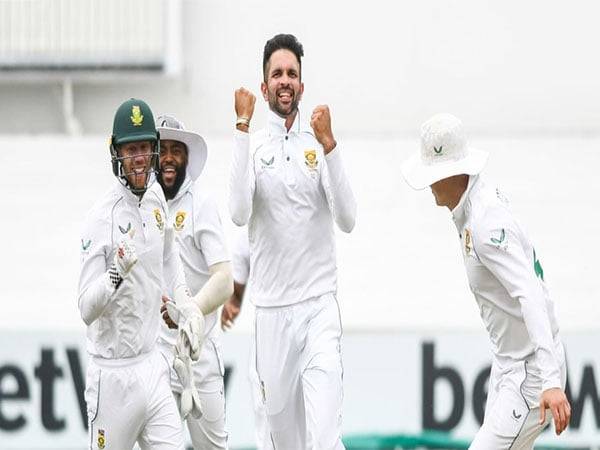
101 439
179 219
468 242
137 118
159 220
310 159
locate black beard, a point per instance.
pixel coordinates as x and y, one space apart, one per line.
283 113
171 192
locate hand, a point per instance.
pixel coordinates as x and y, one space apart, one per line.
320 121
190 322
165 314
231 309
125 258
244 103
555 400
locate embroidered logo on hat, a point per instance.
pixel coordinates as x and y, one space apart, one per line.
438 151
137 118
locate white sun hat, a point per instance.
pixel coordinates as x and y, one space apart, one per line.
172 129
444 153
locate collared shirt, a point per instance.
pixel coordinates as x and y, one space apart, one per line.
200 239
507 279
289 193
124 322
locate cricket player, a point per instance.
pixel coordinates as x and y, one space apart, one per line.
201 243
128 260
528 373
231 309
289 185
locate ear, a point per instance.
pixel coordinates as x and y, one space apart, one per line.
263 89
301 91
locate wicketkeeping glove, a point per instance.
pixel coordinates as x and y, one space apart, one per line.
190 322
190 399
125 259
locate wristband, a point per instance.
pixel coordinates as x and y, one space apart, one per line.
242 121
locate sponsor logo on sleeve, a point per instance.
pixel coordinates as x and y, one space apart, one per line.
85 245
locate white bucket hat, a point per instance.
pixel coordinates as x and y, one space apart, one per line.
444 153
174 130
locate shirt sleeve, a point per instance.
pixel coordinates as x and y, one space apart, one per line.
95 288
241 257
499 247
338 191
208 231
242 181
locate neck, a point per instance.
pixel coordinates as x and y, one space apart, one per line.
289 120
458 189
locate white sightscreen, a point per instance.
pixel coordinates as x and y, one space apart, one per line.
84 34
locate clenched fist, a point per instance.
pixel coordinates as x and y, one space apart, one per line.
244 103
320 122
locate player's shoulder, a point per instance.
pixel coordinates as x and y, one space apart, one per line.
102 208
258 138
491 212
99 216
202 195
155 195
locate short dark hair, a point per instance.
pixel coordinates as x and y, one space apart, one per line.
282 42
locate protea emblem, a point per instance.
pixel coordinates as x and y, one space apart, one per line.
136 116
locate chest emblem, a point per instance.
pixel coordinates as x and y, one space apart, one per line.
468 242
310 159
125 230
267 163
160 224
179 220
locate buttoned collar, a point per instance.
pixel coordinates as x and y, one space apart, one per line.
461 212
276 124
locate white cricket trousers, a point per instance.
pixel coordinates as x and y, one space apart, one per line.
261 428
512 410
208 432
299 365
130 400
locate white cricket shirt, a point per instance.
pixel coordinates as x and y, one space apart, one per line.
289 193
240 257
124 323
195 219
507 279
